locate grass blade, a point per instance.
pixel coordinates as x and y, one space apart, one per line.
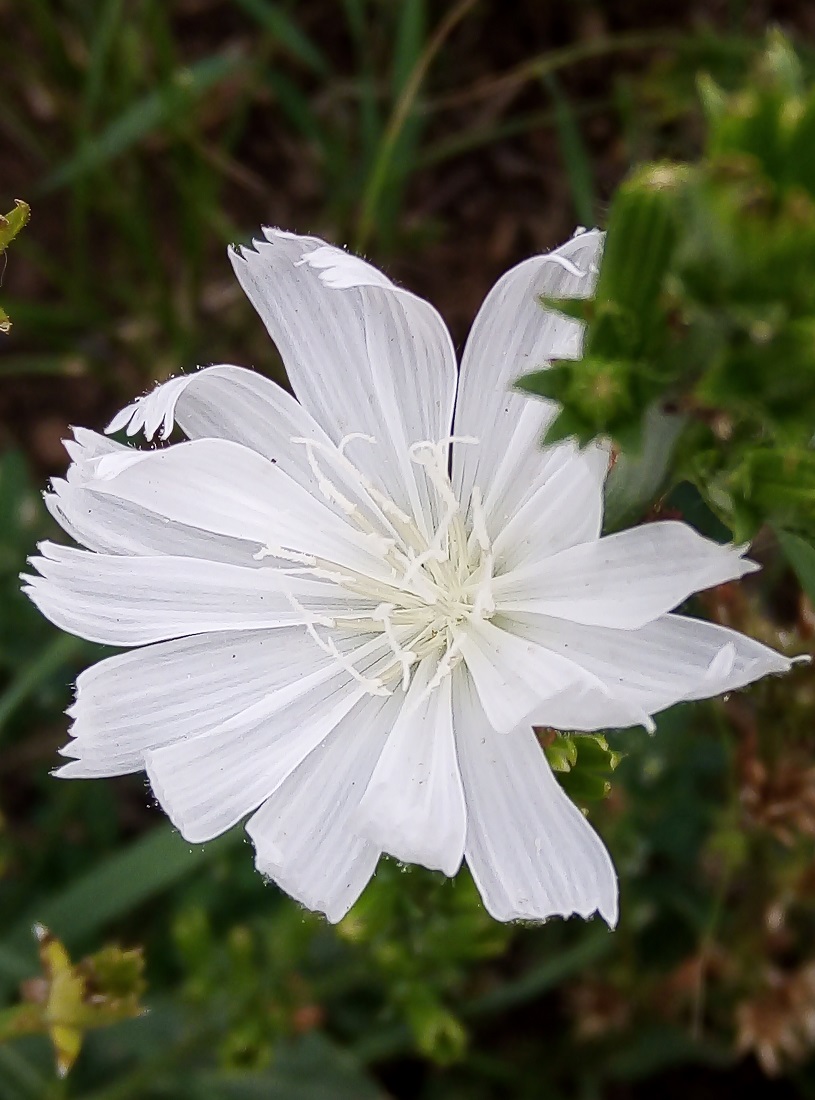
145 116
153 863
576 159
399 117
283 30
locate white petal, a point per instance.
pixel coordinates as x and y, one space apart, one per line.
518 679
305 836
208 783
112 526
86 445
337 268
362 355
226 488
140 700
624 580
227 402
135 600
530 850
667 661
566 508
413 807
512 335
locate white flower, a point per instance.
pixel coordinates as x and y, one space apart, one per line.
347 613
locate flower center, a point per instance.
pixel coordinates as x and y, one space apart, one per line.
439 567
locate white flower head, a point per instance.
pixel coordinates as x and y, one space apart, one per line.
346 612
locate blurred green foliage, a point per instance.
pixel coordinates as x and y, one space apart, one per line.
147 135
70 1000
705 309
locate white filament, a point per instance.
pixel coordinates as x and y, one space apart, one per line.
437 581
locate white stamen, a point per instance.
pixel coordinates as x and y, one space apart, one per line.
373 686
479 532
448 662
328 489
567 265
438 579
346 439
270 550
406 657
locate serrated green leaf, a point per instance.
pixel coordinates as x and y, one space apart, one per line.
568 425
552 382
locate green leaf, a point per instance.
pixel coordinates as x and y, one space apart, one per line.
780 485
13 222
801 556
584 763
10 226
585 787
552 382
561 752
579 309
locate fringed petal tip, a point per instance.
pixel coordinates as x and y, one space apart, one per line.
153 412
336 268
607 908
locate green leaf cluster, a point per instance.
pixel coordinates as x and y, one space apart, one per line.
705 307
585 763
69 1000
